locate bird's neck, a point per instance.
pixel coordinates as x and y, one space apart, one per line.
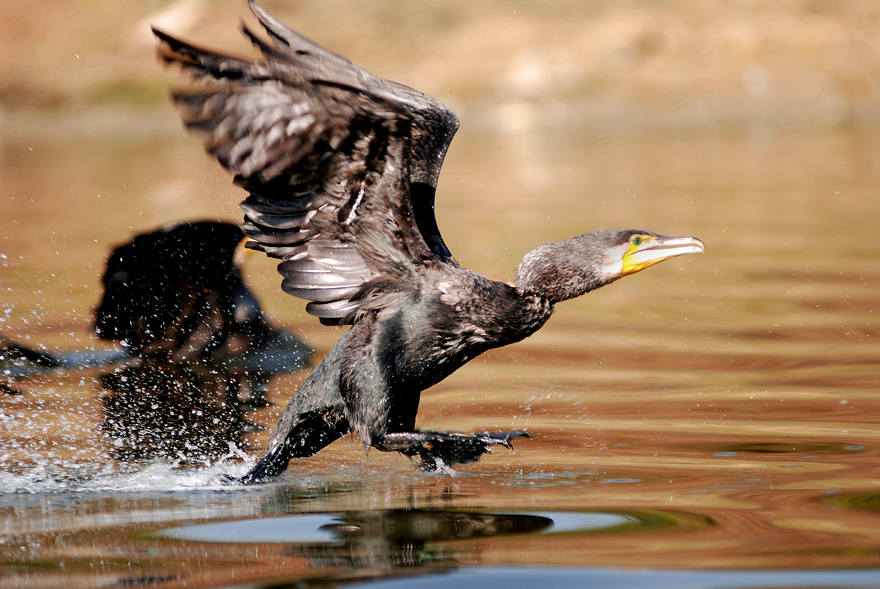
558 271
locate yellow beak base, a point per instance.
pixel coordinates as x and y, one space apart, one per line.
653 250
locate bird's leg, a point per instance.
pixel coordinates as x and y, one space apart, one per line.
438 449
306 434
435 449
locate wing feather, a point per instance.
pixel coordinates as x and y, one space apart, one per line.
332 157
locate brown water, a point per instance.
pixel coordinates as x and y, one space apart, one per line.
712 422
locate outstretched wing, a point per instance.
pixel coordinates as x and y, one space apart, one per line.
434 124
341 165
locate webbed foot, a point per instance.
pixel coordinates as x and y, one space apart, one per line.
438 449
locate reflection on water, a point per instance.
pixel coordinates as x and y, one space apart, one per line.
710 423
387 542
496 577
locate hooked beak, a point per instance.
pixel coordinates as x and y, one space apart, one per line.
653 251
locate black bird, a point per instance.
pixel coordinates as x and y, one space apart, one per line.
341 167
177 293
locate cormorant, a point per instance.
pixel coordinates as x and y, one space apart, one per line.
177 293
342 167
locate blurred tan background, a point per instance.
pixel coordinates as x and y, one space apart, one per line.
806 63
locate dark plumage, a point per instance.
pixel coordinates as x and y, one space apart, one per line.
342 167
177 293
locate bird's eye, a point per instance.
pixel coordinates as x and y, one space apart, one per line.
637 240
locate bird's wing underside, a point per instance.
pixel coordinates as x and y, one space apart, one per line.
340 164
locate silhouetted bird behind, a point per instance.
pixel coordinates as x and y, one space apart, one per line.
177 293
175 298
341 167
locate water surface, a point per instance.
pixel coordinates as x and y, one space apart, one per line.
711 422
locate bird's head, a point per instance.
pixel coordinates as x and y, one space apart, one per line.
563 270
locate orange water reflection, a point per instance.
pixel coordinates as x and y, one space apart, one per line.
727 403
